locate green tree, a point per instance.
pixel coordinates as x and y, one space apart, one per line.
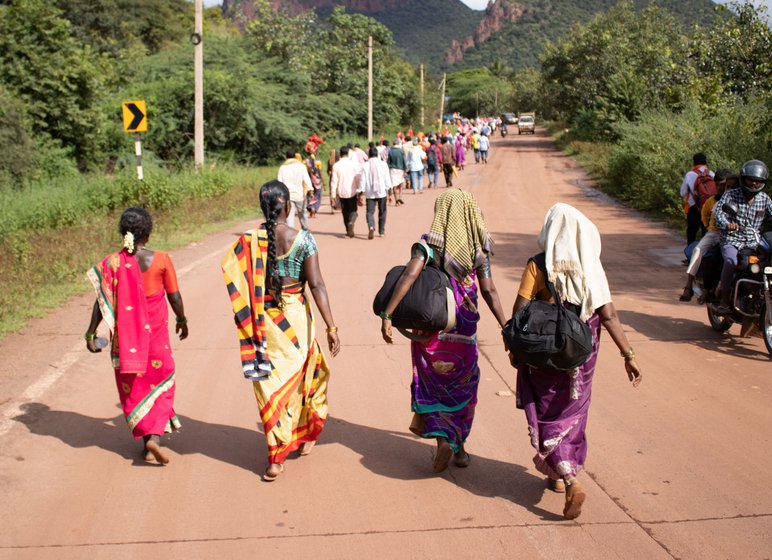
59 80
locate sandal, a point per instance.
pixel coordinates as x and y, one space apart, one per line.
306 448
557 486
155 450
687 294
442 456
574 502
273 471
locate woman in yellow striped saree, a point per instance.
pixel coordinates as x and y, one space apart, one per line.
266 272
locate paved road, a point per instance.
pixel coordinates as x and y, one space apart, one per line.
676 468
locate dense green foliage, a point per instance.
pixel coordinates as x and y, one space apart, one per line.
65 67
423 30
520 43
479 91
657 94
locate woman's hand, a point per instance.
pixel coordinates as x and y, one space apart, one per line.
333 343
386 331
91 347
633 372
182 330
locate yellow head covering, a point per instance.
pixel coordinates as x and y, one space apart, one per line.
458 231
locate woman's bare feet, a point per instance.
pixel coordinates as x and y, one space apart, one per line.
153 446
442 455
575 497
461 458
273 471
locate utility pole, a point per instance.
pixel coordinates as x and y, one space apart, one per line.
422 96
198 125
370 88
442 100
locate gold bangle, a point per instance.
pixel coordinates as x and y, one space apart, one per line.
331 330
629 355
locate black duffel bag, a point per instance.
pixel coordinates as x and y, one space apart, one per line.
548 336
429 305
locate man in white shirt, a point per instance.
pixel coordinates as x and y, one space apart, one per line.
374 186
415 165
343 188
294 174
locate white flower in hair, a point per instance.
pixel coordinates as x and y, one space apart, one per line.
128 242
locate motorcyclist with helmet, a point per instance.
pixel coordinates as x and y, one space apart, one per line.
741 228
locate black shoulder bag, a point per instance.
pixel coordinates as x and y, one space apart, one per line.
429 305
546 335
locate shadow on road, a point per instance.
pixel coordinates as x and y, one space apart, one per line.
401 456
236 446
386 453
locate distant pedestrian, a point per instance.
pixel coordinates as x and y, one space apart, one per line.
266 272
448 160
557 403
415 165
374 187
132 287
485 144
331 161
343 188
433 163
460 151
397 169
476 145
294 174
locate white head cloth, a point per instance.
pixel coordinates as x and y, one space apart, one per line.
571 244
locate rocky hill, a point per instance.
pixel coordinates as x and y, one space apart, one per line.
447 34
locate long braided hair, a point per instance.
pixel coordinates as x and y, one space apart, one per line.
273 197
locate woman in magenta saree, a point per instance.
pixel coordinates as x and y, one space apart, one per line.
557 403
445 369
132 287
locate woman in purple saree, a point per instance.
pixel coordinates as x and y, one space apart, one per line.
557 403
445 370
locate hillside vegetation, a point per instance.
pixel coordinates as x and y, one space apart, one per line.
638 93
520 43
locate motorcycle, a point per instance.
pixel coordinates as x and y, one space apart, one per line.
750 298
504 131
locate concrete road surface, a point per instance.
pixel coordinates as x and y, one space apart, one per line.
677 468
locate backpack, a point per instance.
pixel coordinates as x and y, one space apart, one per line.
704 187
546 335
431 157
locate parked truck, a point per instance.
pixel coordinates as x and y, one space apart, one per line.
526 122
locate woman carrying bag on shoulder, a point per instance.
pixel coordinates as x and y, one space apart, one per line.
556 402
445 370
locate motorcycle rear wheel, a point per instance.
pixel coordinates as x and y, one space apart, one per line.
766 332
718 323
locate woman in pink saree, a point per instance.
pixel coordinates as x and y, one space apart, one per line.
557 403
132 287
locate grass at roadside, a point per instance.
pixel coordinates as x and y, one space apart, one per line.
42 268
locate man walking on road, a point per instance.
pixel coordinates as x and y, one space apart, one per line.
448 153
343 188
485 144
374 185
294 174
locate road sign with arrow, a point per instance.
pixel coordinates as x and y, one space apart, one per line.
134 116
